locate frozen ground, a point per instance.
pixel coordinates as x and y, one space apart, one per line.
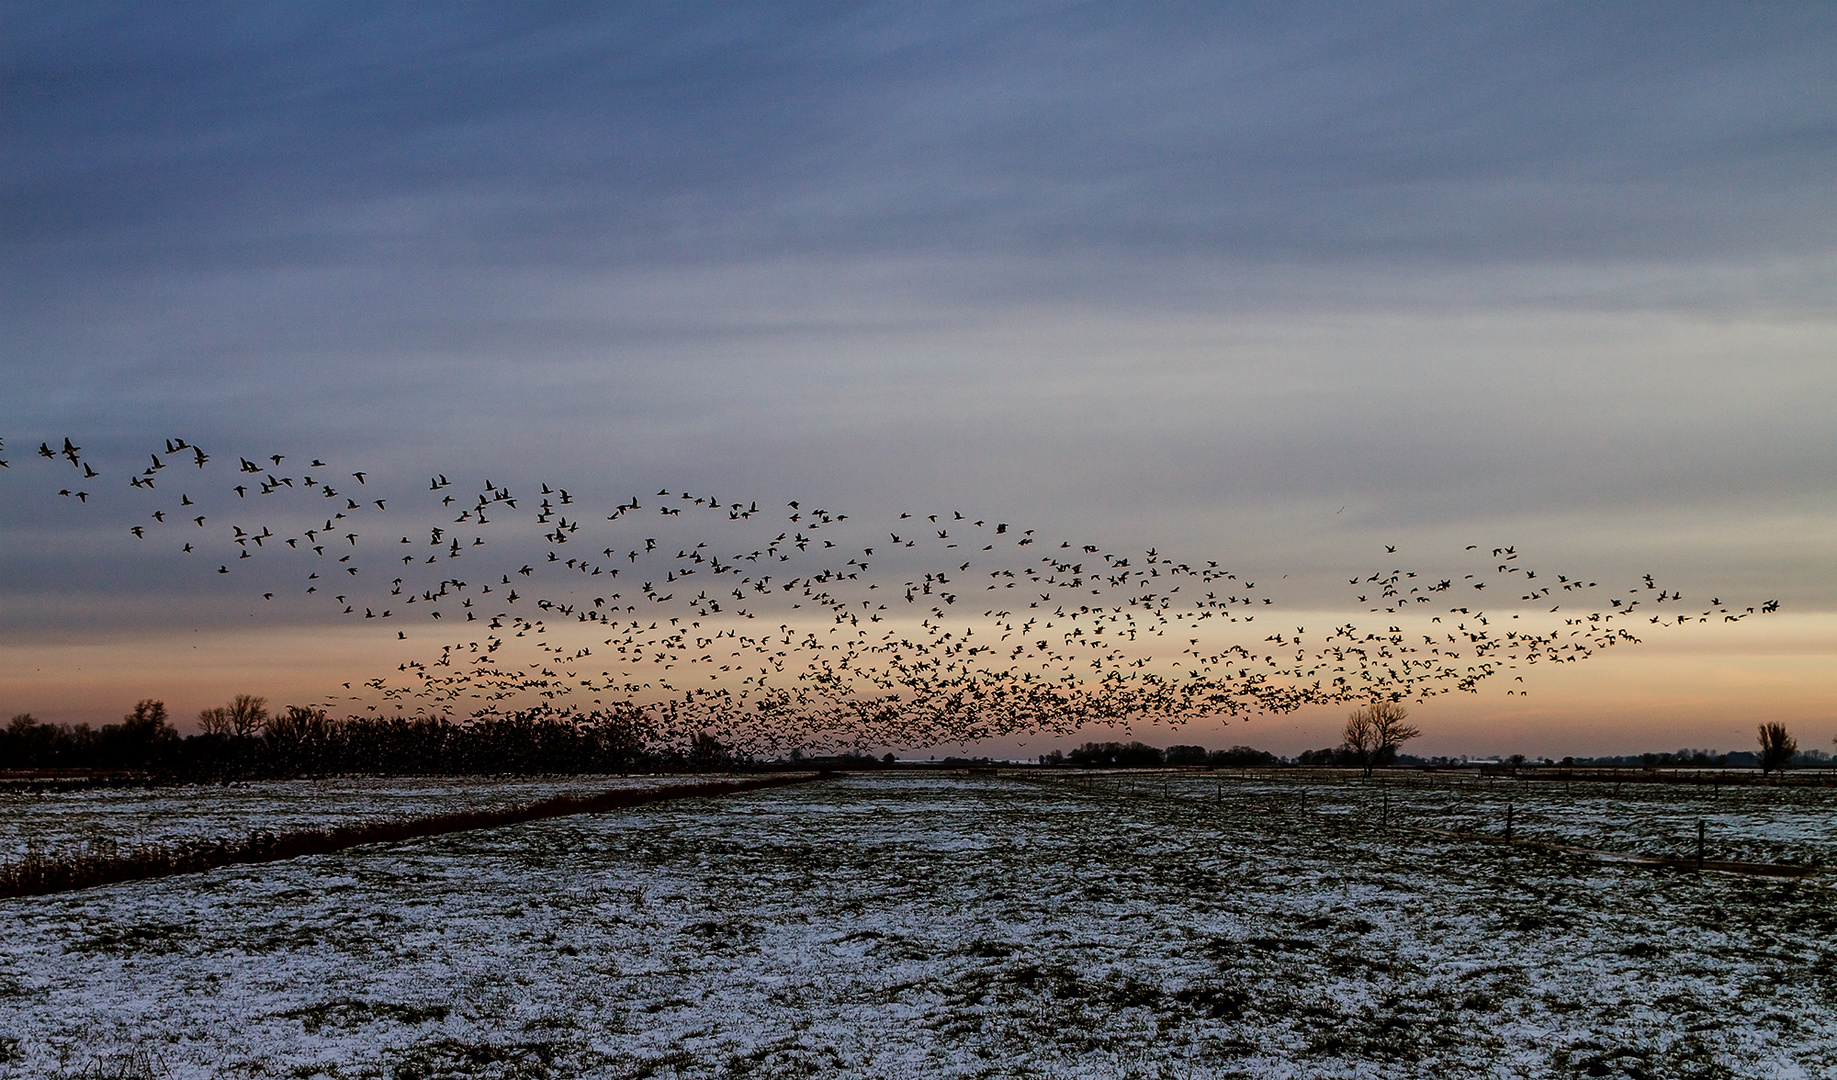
59 821
930 925
1743 824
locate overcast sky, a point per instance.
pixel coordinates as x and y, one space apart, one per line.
1288 282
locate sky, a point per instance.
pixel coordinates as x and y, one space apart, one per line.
1282 285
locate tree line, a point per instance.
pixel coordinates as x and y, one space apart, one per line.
1369 740
1374 735
245 740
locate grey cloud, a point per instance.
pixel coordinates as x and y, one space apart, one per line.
568 135
1136 266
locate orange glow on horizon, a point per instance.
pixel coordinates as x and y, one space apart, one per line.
1694 687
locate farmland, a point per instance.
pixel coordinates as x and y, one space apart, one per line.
993 924
114 818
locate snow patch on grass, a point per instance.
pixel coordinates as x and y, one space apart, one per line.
935 925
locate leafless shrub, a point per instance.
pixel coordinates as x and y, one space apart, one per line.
215 721
1776 746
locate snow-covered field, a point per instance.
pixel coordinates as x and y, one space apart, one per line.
907 925
1743 824
63 821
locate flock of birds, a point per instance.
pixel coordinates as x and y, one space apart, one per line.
792 625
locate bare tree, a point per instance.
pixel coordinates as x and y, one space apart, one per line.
214 721
296 724
1776 746
247 714
1374 732
244 716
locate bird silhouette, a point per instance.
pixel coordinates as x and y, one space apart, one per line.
774 632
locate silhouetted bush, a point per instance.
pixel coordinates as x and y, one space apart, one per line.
1242 757
1332 757
1115 755
28 744
1777 746
708 755
143 740
1185 755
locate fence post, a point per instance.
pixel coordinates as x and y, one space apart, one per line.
1508 822
1700 831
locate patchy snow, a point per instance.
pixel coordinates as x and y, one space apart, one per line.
907 925
55 821
1745 824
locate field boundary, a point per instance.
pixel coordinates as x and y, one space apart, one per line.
38 875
